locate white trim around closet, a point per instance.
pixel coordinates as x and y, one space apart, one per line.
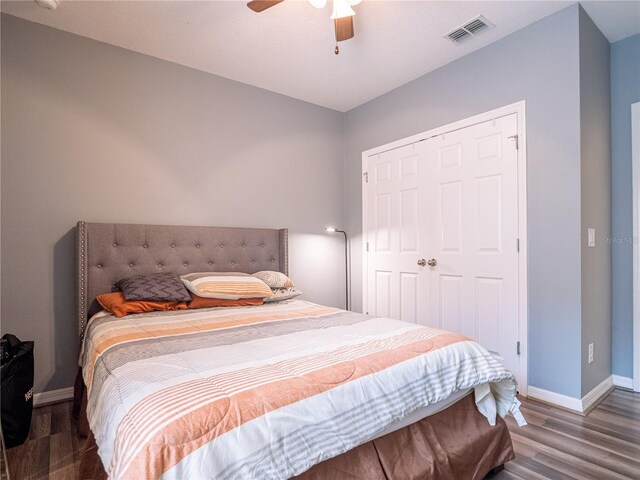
635 155
519 109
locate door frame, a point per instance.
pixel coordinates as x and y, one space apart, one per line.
519 109
635 166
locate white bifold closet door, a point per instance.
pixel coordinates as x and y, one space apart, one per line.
442 233
397 218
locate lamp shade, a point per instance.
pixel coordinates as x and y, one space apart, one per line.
318 3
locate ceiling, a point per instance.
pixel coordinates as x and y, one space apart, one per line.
288 49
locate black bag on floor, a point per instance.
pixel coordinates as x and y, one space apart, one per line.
17 389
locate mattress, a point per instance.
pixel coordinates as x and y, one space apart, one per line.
423 412
269 391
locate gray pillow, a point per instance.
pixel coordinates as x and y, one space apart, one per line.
159 287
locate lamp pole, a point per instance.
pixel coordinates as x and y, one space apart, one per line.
346 262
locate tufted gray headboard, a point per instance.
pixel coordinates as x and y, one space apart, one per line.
108 252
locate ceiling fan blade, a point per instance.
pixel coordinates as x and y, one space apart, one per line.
344 28
261 5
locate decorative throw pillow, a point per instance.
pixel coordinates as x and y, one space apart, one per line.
204 302
274 279
116 304
283 294
230 285
159 287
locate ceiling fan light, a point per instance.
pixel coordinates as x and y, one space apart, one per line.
318 3
341 9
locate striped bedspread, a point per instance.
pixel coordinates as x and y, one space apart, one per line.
266 392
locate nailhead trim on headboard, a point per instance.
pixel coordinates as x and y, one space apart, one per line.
108 252
284 251
82 279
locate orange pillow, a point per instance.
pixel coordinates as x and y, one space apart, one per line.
206 302
116 304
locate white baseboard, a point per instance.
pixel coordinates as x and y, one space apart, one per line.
590 400
554 398
624 382
52 396
582 405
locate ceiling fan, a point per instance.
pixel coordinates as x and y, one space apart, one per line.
342 15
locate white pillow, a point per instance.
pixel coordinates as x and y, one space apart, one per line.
283 294
274 279
231 285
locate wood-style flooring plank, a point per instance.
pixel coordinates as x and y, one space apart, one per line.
507 475
565 463
576 469
581 450
559 444
61 459
595 438
623 433
617 419
32 462
40 423
521 469
60 417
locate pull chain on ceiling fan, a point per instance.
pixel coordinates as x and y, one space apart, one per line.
342 15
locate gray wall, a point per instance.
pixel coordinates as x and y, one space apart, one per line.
95 132
625 90
161 143
539 64
595 150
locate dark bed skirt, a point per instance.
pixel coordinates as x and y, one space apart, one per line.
455 444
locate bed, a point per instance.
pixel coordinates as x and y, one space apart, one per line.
281 390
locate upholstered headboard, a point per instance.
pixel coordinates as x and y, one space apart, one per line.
108 252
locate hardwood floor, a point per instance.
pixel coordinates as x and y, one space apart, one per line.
52 449
555 445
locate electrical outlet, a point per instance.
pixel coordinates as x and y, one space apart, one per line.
591 353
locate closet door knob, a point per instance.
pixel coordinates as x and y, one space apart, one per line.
422 262
432 263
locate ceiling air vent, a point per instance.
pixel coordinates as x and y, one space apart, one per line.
469 30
